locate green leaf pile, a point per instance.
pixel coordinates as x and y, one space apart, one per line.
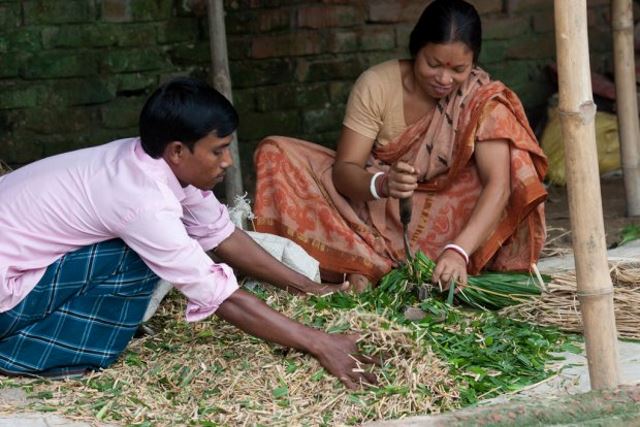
487 354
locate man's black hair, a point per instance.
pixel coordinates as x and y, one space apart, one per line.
186 110
447 21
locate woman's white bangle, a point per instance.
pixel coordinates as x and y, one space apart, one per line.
372 185
459 250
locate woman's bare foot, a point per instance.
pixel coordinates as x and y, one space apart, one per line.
358 282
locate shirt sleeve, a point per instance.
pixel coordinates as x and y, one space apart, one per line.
160 238
364 108
205 218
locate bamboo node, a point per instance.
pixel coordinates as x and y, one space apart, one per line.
586 113
595 292
626 27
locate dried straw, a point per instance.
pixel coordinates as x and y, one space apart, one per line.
558 242
209 372
559 305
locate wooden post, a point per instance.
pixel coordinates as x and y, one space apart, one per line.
222 82
627 100
577 113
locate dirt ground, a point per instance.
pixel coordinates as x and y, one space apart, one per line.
613 202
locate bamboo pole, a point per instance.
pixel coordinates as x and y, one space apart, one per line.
577 114
222 82
627 100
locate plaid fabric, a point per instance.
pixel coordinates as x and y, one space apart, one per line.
80 316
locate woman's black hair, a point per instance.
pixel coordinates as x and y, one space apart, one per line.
186 110
446 21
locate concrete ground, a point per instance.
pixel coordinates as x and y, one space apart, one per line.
558 396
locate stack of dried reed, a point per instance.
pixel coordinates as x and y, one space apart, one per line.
558 242
559 306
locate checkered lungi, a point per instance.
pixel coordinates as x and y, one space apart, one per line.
80 316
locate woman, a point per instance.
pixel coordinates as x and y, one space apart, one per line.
434 128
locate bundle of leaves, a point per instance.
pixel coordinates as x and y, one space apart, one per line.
489 290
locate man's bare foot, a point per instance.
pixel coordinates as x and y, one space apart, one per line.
358 282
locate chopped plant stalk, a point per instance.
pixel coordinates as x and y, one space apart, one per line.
452 288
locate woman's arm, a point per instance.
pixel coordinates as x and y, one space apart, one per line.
349 175
493 163
352 180
241 252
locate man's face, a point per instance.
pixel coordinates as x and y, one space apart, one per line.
204 167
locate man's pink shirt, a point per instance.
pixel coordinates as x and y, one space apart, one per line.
62 203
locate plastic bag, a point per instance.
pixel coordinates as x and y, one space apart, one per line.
607 142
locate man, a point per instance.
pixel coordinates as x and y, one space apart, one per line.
86 234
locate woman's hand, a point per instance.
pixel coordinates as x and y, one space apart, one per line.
401 180
492 160
450 266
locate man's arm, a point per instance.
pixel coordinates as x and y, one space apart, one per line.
241 252
337 353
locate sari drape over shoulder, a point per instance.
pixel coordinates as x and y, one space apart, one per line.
296 198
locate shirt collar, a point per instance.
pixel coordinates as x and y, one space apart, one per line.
160 169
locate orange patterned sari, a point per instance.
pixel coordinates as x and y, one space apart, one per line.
296 198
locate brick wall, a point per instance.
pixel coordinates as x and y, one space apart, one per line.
75 73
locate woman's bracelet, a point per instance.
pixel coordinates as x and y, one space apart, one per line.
372 185
459 250
380 186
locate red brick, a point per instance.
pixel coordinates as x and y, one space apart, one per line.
342 41
116 10
487 6
537 47
328 16
378 39
504 27
599 17
543 22
403 32
274 19
384 11
293 44
519 6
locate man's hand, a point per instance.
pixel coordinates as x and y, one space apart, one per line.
337 353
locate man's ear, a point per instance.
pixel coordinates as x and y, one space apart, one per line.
174 152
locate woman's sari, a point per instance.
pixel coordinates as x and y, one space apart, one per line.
296 198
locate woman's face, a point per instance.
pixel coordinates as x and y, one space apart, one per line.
439 68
